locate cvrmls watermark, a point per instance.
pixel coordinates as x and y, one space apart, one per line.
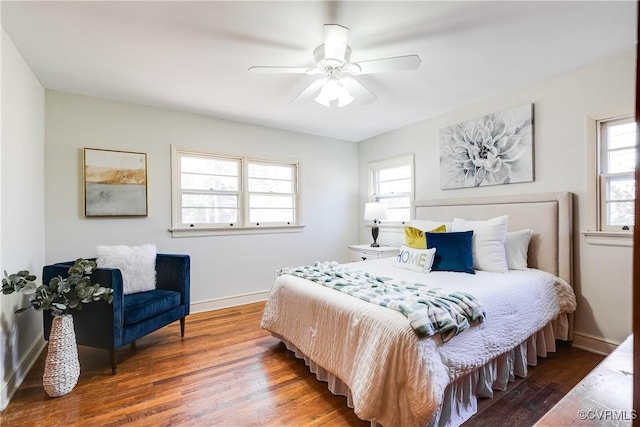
607 415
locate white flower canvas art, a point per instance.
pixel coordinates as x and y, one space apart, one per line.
492 150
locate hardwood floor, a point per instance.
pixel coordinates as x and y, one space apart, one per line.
229 372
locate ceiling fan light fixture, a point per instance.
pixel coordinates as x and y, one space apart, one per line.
334 90
329 92
322 100
345 97
333 62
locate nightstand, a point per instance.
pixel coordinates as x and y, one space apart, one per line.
367 252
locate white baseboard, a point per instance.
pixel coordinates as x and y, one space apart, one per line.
13 379
598 345
225 302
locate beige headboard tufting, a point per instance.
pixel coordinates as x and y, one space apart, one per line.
549 215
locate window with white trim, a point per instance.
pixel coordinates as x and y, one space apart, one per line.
210 190
617 146
391 183
217 191
272 192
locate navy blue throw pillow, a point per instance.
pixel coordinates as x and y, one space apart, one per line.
453 251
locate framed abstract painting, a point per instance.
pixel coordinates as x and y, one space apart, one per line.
115 183
492 150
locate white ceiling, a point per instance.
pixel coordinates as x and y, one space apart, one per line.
194 56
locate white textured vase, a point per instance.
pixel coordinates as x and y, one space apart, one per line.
62 368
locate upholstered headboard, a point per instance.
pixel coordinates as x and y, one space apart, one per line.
549 215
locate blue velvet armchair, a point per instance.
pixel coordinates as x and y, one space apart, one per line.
132 316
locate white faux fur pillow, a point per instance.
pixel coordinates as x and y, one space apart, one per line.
136 263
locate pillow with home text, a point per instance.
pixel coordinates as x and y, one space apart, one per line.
419 260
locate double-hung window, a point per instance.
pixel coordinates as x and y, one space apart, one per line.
617 163
210 190
272 189
224 192
391 183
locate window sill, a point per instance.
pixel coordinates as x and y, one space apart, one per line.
609 238
227 231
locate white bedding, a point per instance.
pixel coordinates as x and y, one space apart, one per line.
517 304
394 377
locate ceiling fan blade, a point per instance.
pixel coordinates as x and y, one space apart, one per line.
275 69
309 91
335 41
361 93
397 63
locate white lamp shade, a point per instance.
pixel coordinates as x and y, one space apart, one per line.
375 211
333 90
344 98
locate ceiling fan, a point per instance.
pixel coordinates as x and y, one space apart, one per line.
333 63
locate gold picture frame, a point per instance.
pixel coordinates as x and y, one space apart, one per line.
115 183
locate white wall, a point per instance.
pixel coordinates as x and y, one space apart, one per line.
222 266
563 105
21 211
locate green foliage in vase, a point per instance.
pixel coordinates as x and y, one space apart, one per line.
59 295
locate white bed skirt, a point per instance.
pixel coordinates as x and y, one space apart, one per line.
460 401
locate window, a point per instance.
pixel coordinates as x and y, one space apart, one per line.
210 190
272 192
617 161
391 183
213 191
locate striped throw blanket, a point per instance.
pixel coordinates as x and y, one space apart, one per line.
430 311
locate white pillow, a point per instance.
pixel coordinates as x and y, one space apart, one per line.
488 242
136 263
426 225
413 259
516 247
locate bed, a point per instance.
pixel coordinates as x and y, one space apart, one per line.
390 375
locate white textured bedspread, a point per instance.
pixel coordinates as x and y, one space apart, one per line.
396 378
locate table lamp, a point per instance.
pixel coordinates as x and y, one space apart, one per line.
375 212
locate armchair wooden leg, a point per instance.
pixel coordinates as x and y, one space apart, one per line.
133 346
113 358
182 322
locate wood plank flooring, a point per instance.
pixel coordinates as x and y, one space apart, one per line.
229 372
